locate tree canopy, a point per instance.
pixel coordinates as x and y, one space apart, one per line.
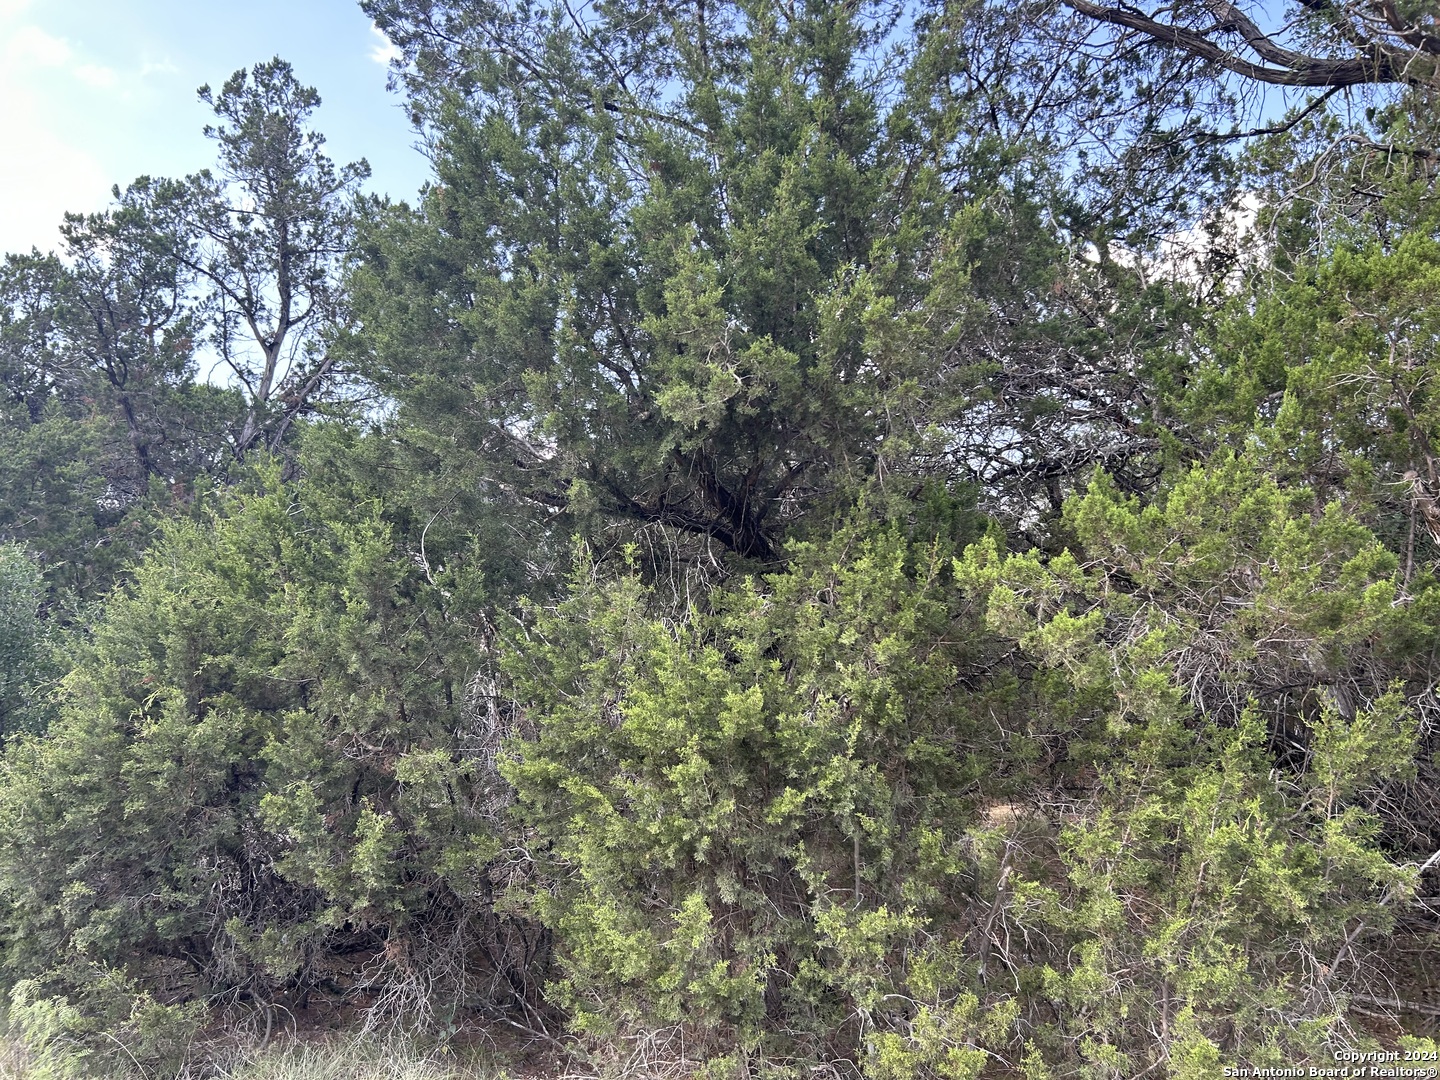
770 564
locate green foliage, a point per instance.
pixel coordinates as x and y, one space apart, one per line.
752 812
52 475
751 257
116 1030
94 408
1333 363
791 571
250 731
105 419
1242 656
26 665
264 236
46 1028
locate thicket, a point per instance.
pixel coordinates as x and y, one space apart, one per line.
762 568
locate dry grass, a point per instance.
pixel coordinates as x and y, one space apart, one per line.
332 1058
350 1059
14 1062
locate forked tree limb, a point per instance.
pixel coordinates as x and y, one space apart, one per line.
1377 62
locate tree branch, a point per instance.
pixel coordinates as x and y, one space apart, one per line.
1281 67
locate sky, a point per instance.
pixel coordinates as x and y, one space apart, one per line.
97 92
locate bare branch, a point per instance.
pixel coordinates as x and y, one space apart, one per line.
1378 63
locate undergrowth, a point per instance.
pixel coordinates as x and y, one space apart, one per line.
336 1057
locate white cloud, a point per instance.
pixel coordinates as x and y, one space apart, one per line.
43 172
158 67
383 51
97 75
1223 242
29 46
41 175
10 8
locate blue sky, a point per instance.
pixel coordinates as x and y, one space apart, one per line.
97 92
